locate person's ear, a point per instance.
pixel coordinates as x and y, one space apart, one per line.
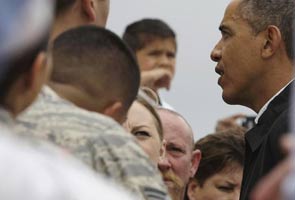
272 41
114 110
38 74
89 9
196 158
30 83
191 189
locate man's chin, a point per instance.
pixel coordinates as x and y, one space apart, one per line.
172 181
172 187
170 184
228 98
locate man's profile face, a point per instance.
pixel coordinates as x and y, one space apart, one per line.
238 57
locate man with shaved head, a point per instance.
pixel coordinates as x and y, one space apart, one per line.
95 79
179 162
81 108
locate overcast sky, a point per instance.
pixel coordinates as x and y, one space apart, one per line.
195 93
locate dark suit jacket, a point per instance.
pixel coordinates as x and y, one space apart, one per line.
263 150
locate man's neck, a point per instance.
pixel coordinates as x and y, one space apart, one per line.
177 194
276 88
264 107
66 91
75 95
65 22
279 75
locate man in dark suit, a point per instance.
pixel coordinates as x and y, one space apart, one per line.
255 63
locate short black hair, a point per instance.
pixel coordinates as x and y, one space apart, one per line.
98 62
63 5
19 64
138 34
262 13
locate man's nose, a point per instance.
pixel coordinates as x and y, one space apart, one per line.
216 54
163 163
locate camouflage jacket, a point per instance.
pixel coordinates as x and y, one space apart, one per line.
95 139
24 160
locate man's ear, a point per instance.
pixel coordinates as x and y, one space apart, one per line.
30 83
272 41
38 74
89 9
114 111
191 189
196 158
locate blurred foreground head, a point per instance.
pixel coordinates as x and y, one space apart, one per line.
24 29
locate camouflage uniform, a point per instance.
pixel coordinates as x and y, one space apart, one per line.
25 160
96 139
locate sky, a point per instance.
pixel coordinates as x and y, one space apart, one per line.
194 93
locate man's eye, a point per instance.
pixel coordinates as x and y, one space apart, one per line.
225 188
154 53
175 149
225 34
171 55
142 134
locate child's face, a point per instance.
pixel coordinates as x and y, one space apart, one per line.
157 63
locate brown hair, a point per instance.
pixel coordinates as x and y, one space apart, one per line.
140 33
218 151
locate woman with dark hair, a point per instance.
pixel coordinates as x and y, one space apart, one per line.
220 171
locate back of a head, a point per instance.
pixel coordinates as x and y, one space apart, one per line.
138 34
262 13
18 51
98 63
219 150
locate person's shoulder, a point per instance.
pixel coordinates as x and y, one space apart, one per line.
50 110
281 123
279 128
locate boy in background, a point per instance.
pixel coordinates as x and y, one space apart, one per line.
154 44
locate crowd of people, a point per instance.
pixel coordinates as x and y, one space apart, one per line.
81 117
